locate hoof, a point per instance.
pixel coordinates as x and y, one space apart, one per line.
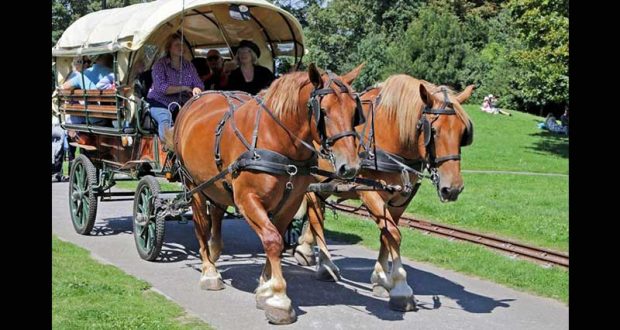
328 273
261 302
403 304
211 283
379 291
280 316
304 260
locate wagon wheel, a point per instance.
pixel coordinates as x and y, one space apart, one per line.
82 194
148 229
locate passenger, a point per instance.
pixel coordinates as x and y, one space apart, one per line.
218 78
80 63
89 78
174 80
249 77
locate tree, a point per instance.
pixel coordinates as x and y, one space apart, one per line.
433 48
543 27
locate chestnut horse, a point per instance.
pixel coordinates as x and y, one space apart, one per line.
256 153
430 127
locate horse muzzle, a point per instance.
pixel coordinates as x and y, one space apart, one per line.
450 194
347 172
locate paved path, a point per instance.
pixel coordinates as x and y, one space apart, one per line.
447 300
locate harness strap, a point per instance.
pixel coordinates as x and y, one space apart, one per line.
384 161
304 143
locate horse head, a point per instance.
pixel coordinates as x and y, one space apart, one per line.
444 129
334 111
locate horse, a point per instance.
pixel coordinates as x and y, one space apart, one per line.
256 153
430 127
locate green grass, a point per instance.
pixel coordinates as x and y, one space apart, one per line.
531 209
514 144
462 257
165 185
90 295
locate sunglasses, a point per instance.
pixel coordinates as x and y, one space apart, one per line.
213 58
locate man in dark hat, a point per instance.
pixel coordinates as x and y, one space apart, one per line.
249 77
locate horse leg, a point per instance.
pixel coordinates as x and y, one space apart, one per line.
271 295
303 251
401 294
215 242
381 283
326 270
210 278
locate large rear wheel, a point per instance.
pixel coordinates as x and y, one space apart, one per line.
82 194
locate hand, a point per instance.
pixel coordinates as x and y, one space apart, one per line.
196 91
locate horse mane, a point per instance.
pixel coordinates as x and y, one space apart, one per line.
400 99
283 94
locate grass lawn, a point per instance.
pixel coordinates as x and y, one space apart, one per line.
531 209
90 295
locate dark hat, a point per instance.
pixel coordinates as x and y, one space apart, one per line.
251 45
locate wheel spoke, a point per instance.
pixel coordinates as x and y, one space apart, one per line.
149 243
80 178
84 211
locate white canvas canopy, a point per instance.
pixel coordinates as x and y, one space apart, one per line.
206 23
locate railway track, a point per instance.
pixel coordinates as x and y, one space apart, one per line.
514 249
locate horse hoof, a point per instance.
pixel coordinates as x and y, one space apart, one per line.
261 302
211 283
280 316
379 291
304 260
403 304
328 273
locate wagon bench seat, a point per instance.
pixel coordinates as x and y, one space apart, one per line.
97 103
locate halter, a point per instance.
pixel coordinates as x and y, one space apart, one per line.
428 129
318 113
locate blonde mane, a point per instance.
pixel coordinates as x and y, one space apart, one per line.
400 99
282 97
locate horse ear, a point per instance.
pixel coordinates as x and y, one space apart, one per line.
349 77
315 76
425 96
464 95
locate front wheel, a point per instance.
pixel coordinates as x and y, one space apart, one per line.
148 228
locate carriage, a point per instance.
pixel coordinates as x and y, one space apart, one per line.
269 185
115 134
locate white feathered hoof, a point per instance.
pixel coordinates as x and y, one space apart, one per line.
403 303
328 272
380 291
213 283
280 316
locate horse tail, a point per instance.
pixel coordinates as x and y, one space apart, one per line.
169 137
